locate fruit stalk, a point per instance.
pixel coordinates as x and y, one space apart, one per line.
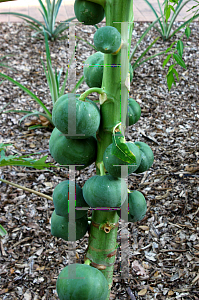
102 239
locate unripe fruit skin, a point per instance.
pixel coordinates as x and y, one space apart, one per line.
61 196
72 152
105 191
88 12
111 162
107 39
134 111
137 206
88 283
147 157
59 226
93 69
87 117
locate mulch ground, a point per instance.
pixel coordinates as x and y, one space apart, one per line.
164 246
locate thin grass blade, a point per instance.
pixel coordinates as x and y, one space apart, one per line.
22 15
27 92
141 38
48 6
148 58
43 9
48 57
61 92
54 93
154 11
77 37
184 24
52 79
36 113
174 16
78 84
52 18
47 75
163 20
45 20
144 52
57 7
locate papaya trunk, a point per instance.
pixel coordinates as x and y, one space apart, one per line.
103 229
102 242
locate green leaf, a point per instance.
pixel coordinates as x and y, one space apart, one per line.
166 60
121 150
172 8
168 49
3 146
176 73
168 13
187 31
170 80
180 47
179 60
171 68
3 232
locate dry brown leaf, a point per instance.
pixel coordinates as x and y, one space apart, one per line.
151 289
192 169
142 292
196 246
170 293
145 228
40 268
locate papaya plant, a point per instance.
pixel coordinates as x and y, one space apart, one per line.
85 133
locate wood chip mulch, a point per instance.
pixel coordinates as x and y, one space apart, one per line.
164 246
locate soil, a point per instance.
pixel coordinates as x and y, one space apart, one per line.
163 248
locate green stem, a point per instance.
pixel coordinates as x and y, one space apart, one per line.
90 91
87 262
101 167
26 189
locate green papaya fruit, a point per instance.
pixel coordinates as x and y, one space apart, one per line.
87 117
147 157
134 111
105 191
87 12
137 206
93 69
112 163
60 226
61 197
107 39
72 152
88 283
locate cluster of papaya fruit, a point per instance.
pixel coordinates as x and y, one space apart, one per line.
80 149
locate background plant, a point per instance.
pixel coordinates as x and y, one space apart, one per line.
169 14
175 50
49 14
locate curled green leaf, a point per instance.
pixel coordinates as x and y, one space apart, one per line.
121 150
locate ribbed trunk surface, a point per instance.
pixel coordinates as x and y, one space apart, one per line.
103 230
